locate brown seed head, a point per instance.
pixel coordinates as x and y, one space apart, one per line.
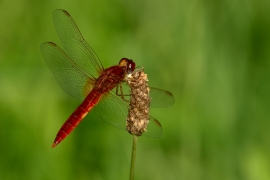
138 115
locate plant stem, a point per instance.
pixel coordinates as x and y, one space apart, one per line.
133 156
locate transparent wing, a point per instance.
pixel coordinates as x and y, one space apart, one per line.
75 45
154 129
114 111
160 98
68 74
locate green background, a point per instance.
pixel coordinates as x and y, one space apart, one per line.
214 56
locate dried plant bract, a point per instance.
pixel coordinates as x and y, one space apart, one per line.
138 115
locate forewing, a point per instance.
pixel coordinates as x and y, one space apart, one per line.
160 98
75 45
68 74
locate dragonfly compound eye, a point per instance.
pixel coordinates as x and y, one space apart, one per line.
130 67
128 63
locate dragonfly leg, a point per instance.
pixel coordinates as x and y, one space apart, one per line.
121 92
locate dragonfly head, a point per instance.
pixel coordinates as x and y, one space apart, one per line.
128 64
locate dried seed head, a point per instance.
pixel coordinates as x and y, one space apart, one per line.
138 115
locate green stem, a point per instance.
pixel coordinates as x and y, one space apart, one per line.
133 156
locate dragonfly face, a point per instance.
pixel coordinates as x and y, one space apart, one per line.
128 63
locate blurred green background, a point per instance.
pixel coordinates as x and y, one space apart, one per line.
214 56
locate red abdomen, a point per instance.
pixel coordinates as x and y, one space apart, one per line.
108 79
76 117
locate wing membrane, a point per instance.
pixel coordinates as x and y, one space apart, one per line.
160 98
68 74
75 45
114 111
154 129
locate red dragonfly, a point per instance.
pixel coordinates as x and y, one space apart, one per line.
80 73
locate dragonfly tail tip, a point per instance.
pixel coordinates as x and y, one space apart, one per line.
54 144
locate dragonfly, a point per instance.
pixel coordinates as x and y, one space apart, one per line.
81 74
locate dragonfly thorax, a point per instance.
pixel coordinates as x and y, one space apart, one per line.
109 79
